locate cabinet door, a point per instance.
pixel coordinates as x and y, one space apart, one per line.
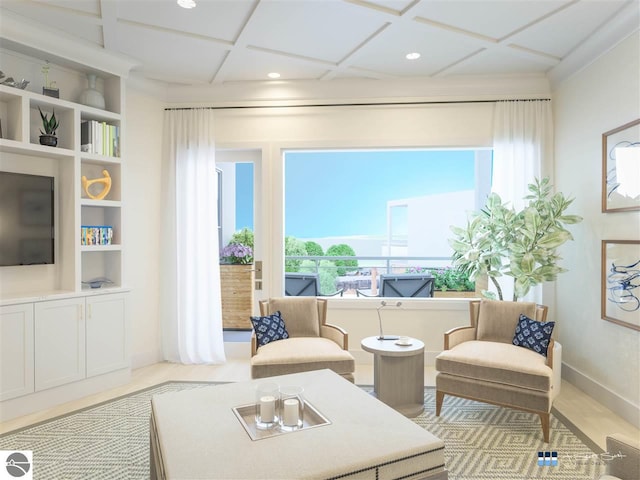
59 342
16 351
107 334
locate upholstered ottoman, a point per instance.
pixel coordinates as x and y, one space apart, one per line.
196 435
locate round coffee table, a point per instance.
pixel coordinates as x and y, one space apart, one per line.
398 373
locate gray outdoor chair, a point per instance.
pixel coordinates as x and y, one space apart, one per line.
304 285
403 285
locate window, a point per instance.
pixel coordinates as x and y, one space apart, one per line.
390 209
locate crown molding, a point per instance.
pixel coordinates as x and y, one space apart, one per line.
22 35
291 93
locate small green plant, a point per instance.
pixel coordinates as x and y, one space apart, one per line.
243 236
447 278
50 125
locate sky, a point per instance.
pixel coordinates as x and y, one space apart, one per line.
351 189
345 193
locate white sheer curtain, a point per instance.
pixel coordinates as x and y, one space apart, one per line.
522 147
522 151
190 311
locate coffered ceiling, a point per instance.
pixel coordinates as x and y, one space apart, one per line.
222 41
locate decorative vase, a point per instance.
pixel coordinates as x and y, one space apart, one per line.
91 96
49 140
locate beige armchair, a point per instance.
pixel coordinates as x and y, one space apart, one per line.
625 458
312 344
480 362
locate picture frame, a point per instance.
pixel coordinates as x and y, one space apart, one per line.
620 291
621 168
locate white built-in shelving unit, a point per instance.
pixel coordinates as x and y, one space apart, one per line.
59 338
22 152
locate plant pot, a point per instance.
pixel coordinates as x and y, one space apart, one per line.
49 140
455 294
236 295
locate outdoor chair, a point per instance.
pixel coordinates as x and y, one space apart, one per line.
402 285
313 344
304 285
481 362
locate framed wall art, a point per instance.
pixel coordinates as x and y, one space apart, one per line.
621 168
620 294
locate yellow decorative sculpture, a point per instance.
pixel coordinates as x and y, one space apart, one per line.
106 180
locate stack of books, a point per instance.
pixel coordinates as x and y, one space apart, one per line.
96 235
100 137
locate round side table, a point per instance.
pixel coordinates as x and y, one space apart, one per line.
398 373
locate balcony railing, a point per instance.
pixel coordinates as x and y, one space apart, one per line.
363 276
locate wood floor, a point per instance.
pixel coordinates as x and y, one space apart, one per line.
593 419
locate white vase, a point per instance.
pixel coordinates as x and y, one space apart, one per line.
91 96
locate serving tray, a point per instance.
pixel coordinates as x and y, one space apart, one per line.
246 414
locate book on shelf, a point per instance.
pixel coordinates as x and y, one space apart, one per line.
100 138
96 235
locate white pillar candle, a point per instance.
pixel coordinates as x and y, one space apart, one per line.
267 408
290 415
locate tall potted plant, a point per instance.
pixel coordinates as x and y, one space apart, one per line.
236 281
499 241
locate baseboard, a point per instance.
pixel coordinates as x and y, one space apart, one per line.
144 359
614 402
45 399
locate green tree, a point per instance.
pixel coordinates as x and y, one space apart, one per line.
293 247
327 271
314 249
343 250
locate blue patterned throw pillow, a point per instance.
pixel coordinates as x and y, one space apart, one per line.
533 334
269 329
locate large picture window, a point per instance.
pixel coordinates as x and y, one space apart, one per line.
352 217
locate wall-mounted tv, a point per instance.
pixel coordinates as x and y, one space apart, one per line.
26 219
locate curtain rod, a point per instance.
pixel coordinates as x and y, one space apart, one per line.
372 104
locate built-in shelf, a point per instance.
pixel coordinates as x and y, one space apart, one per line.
100 248
88 202
67 163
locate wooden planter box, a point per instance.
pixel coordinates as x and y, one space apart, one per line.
455 294
236 283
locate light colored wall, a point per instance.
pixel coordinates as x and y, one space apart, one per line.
600 357
142 216
274 130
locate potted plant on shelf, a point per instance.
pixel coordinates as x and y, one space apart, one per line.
499 241
50 125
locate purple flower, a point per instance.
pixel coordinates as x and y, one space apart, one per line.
236 253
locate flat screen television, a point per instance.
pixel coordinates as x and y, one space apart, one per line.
26 219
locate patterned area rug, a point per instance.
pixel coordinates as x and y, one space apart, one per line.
111 441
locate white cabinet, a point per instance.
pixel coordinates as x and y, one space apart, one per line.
16 351
59 342
107 334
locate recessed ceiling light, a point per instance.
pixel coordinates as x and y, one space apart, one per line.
187 3
412 56
273 75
